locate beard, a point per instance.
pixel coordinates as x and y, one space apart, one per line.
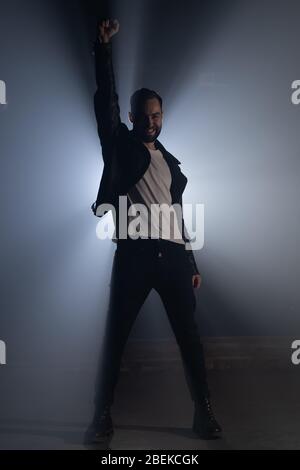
146 136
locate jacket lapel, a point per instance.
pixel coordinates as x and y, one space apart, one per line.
179 180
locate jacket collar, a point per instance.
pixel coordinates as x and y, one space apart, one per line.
159 146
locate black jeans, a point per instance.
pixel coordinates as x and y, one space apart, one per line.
140 265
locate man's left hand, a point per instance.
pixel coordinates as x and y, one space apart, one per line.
196 281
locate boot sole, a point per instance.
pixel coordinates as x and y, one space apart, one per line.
206 434
103 437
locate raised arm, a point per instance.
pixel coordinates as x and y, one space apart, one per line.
106 103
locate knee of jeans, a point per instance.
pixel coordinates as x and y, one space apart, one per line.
194 303
188 305
189 335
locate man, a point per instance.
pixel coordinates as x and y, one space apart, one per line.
138 167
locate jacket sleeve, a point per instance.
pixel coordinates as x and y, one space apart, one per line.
190 252
106 103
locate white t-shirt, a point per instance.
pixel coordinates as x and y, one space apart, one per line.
159 221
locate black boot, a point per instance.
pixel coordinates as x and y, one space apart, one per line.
101 428
204 422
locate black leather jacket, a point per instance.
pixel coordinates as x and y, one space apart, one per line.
125 157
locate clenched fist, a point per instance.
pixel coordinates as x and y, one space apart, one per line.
107 28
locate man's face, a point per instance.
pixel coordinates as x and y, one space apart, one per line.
147 123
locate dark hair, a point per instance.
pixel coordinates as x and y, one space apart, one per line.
140 96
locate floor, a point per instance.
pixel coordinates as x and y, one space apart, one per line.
258 409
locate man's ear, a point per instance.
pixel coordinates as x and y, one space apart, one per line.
130 116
